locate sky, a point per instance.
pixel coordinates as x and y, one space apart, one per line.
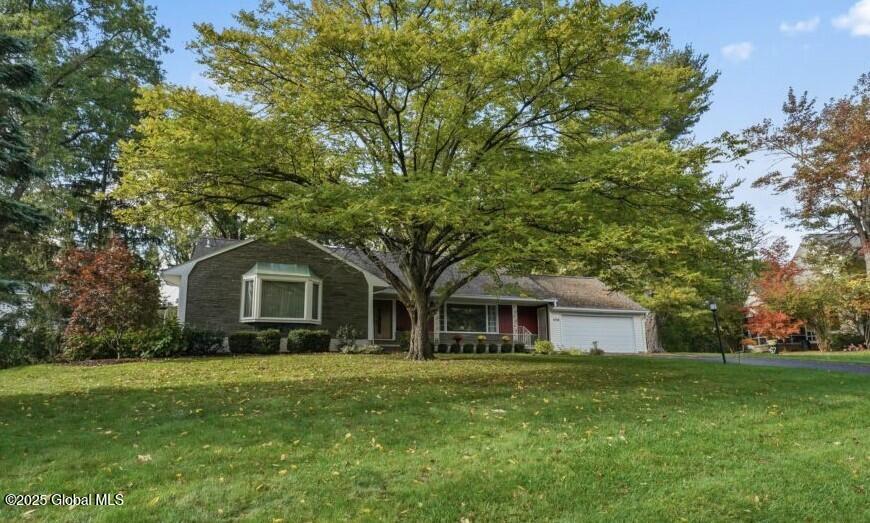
760 47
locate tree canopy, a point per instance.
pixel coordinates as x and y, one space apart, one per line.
92 56
828 151
18 220
489 135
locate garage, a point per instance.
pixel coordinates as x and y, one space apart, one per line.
613 333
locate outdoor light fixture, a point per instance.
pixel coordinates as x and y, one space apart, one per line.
714 309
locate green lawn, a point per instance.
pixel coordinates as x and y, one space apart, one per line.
861 356
375 438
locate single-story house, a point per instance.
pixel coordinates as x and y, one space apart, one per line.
232 285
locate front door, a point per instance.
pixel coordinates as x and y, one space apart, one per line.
383 316
543 331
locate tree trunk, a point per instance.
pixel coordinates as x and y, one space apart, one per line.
420 349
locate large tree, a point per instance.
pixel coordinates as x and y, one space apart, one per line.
483 136
92 56
19 220
828 155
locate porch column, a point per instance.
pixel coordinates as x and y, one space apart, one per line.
370 335
435 334
514 322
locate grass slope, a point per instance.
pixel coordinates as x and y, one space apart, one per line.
375 438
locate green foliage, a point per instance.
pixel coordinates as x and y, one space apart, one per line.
595 351
163 341
201 342
519 347
306 340
844 340
493 348
243 342
17 165
414 127
347 335
362 349
507 347
468 348
268 341
480 348
543 347
166 340
443 348
92 55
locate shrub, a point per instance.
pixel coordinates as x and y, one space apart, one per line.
242 342
106 290
493 348
519 347
443 347
507 347
842 340
455 348
80 347
543 347
268 341
468 348
364 349
347 335
595 351
308 340
404 339
480 348
200 342
163 341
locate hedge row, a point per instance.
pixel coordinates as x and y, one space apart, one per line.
164 341
269 341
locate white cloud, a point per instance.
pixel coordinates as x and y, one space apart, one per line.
857 20
738 52
801 26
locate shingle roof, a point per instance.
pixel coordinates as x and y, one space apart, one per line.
565 291
206 246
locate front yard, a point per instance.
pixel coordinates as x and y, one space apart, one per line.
374 438
857 356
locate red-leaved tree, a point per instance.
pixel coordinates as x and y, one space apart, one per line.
105 289
772 324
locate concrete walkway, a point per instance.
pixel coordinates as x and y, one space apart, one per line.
773 361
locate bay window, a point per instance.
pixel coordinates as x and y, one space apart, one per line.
273 292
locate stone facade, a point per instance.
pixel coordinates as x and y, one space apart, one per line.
214 287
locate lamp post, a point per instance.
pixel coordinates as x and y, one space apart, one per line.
715 310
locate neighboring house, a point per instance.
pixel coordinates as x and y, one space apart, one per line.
232 285
848 245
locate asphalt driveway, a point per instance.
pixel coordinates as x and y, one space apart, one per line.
773 361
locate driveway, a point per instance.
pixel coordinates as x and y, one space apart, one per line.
773 361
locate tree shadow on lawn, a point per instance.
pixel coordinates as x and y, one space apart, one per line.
502 439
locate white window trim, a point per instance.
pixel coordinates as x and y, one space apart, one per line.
442 316
258 280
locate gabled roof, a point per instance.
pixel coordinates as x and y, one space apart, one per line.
564 291
572 292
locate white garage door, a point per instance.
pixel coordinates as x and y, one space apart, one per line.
613 334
